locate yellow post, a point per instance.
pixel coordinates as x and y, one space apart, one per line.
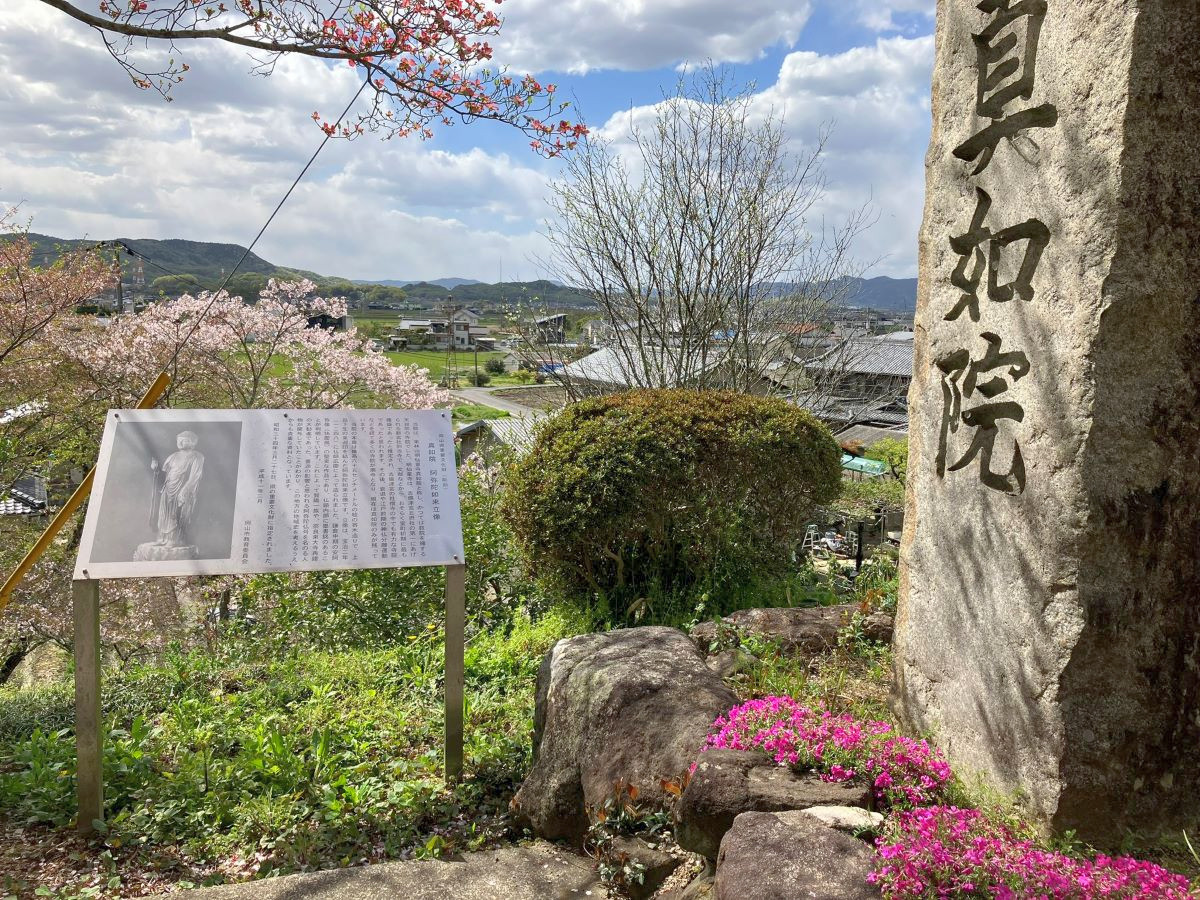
69 508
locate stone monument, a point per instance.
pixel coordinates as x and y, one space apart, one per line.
1048 633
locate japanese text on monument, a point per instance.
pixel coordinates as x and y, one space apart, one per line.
978 412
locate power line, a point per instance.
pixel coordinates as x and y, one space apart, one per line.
328 134
101 245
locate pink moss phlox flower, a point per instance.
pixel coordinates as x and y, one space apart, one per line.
900 770
944 851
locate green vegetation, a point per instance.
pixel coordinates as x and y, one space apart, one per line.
862 499
660 492
473 412
435 362
304 732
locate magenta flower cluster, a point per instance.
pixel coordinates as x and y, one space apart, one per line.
901 771
944 851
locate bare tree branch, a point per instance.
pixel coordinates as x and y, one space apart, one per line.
698 243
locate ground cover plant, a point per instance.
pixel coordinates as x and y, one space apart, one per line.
899 769
945 851
244 761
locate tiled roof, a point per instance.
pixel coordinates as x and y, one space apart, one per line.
512 431
27 497
611 366
870 356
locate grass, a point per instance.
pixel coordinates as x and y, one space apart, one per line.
246 762
473 412
435 362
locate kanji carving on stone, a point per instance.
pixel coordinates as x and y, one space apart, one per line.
969 401
1006 64
980 249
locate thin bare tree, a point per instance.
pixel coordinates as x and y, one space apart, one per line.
698 240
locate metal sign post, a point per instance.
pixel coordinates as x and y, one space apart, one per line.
89 743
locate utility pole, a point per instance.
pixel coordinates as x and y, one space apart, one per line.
120 293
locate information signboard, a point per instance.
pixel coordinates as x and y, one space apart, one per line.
222 492
225 492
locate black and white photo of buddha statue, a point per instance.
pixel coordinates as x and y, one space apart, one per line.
169 493
173 501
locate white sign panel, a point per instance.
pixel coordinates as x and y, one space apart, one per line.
219 492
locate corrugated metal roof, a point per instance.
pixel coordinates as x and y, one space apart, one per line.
872 467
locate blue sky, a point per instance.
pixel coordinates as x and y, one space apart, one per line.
87 154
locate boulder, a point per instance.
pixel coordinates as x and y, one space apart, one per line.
805 630
789 855
632 706
878 627
1048 621
727 783
729 662
537 871
656 864
852 819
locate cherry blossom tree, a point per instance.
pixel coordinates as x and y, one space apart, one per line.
35 402
425 61
223 352
220 352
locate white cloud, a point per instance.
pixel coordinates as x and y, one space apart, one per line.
881 15
88 154
91 155
876 101
580 35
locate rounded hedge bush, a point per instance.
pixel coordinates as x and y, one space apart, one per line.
668 489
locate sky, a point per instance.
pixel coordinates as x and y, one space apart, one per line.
87 154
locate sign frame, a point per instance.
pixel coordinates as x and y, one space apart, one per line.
89 739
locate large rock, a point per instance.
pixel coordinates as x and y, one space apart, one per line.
798 630
632 706
727 783
535 872
791 855
1048 632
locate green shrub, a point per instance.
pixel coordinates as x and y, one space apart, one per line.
494 366
664 490
481 379
894 452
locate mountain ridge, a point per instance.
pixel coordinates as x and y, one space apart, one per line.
207 262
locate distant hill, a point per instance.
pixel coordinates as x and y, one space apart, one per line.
883 293
207 261
202 265
449 283
504 292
